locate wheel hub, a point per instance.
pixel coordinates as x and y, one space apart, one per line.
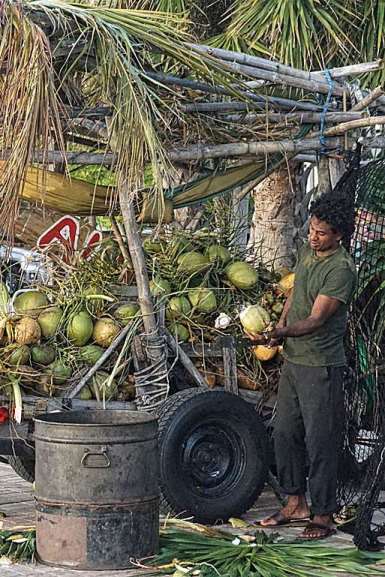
208 456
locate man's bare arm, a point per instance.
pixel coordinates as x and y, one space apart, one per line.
285 312
324 307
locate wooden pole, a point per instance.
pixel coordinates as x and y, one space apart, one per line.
369 99
274 101
274 66
139 264
353 124
300 117
286 80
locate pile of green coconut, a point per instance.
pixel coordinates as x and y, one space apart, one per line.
201 282
47 345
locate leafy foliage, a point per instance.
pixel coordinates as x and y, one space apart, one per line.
215 552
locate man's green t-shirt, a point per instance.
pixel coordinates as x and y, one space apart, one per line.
333 276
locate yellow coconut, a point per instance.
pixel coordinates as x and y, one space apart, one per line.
287 282
263 353
27 331
105 331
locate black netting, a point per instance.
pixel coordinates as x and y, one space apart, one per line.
362 471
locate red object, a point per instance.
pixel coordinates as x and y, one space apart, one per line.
4 414
92 240
65 231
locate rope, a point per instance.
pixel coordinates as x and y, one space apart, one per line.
152 383
325 109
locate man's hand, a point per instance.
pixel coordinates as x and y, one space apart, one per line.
257 339
268 339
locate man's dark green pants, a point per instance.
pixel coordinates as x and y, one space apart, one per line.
307 433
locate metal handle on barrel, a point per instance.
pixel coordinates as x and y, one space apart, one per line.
102 452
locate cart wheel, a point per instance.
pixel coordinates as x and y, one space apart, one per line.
24 467
213 455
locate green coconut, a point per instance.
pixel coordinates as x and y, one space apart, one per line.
90 354
152 246
49 321
216 253
19 355
59 371
178 307
102 387
160 287
43 354
85 394
105 331
30 303
242 275
254 319
80 328
180 331
192 262
203 299
126 313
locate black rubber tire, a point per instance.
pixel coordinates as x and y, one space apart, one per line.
24 467
214 455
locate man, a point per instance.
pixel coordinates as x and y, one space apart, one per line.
310 398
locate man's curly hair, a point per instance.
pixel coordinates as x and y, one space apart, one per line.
337 209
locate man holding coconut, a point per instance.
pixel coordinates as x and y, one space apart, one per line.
310 398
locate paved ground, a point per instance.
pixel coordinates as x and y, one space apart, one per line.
16 501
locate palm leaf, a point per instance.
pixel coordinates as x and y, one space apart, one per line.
264 556
108 50
302 33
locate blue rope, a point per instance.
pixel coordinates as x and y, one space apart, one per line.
325 109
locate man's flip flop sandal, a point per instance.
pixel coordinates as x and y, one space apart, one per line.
323 532
279 520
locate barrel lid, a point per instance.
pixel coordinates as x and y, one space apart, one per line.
96 418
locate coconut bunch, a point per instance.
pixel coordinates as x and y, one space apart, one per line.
208 287
197 279
54 335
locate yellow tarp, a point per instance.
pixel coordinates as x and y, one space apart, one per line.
76 197
67 196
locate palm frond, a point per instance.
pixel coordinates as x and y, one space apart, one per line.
302 33
108 50
260 555
28 102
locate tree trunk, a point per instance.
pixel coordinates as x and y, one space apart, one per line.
272 229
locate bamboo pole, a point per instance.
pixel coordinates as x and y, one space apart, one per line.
253 61
353 124
275 101
264 76
300 117
369 99
139 265
200 86
351 69
286 80
274 66
202 151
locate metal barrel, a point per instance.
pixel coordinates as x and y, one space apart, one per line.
96 486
